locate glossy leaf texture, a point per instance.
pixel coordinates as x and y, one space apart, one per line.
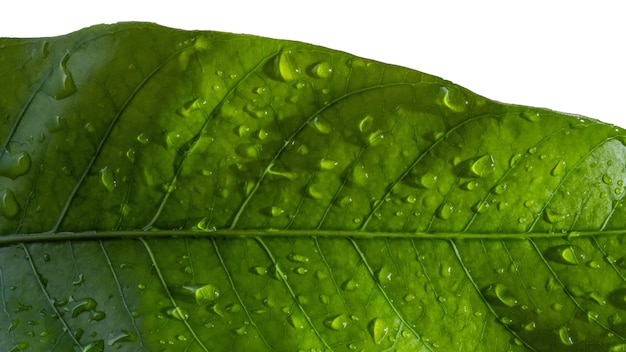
168 190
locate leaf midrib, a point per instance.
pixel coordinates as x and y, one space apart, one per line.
251 233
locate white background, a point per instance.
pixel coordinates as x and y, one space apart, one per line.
569 56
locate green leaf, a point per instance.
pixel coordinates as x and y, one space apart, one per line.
167 190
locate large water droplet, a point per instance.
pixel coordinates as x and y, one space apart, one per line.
9 206
14 165
188 108
383 275
60 85
322 70
82 305
378 329
566 254
285 68
121 336
296 321
554 217
500 294
481 166
336 323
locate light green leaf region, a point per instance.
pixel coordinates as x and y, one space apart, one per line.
167 190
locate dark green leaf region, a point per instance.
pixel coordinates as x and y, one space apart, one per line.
169 190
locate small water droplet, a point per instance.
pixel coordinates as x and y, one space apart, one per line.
251 151
188 108
359 175
9 207
383 275
445 211
470 185
514 160
143 139
322 126
531 116
366 123
177 313
454 99
259 270
336 323
558 169
108 179
566 336
607 179
350 285
427 180
15 165
275 211
298 258
296 321
500 188
94 346
300 270
328 164
378 329
322 70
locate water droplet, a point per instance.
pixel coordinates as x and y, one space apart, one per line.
177 313
95 346
9 207
296 321
328 164
558 169
107 178
378 329
618 348
411 199
143 139
250 151
298 258
60 85
374 138
565 335
409 297
322 70
121 336
259 270
321 126
315 192
454 99
275 211
336 323
350 285
515 159
427 180
469 186
188 108
366 123
359 175
481 166
15 165
554 217
531 116
500 294
383 275
285 68
607 179
260 90
241 331
77 307
300 270
445 211
565 254
500 188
